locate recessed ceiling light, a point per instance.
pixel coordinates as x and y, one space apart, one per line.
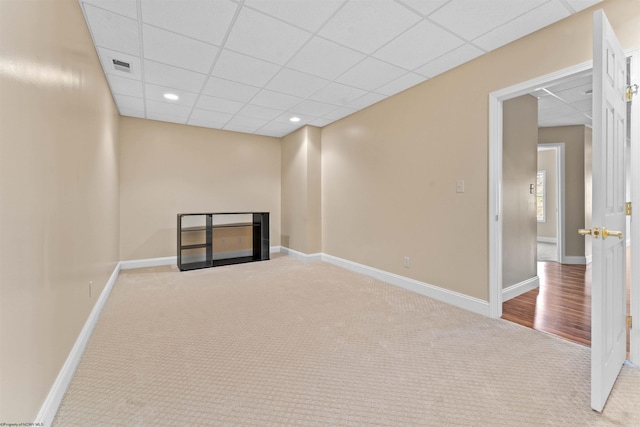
294 119
171 96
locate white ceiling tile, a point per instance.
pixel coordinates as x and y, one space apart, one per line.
295 83
285 128
526 24
258 112
313 108
321 122
164 117
268 98
209 118
131 113
309 15
425 7
244 69
273 133
284 119
242 129
248 122
218 104
579 5
201 19
367 25
180 51
324 58
340 113
178 112
371 74
113 31
227 89
400 84
129 102
427 38
449 60
123 7
337 94
156 93
124 86
261 36
470 19
169 76
107 56
366 100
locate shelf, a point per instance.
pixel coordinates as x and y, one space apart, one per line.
196 246
206 254
235 225
231 261
185 229
194 265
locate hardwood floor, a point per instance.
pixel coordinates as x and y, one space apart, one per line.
562 304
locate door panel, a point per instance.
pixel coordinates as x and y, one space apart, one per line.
608 306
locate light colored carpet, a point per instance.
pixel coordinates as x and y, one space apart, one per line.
287 343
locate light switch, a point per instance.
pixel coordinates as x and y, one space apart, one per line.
460 186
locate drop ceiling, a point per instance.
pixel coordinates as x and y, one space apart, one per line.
249 66
566 103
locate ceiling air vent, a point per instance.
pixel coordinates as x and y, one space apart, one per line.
121 66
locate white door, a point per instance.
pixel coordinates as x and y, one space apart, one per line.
608 300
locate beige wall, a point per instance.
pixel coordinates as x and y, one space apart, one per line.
58 194
547 162
167 168
301 190
389 171
519 166
574 182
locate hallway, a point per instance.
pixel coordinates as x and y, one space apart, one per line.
562 304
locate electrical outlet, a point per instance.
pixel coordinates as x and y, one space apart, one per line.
407 262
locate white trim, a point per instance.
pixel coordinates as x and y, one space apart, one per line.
169 260
559 148
588 259
553 240
575 260
634 135
520 288
450 297
58 389
300 255
495 173
149 262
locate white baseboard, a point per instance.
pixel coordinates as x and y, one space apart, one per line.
589 259
302 256
149 262
520 288
450 297
58 389
577 260
170 260
553 240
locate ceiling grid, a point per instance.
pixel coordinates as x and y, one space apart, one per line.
251 65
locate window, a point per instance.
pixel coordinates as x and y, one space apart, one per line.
541 182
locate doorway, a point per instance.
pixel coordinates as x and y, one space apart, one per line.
550 202
495 196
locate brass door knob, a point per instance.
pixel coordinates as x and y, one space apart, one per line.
595 232
606 233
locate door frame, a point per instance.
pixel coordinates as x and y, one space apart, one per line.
496 99
559 150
